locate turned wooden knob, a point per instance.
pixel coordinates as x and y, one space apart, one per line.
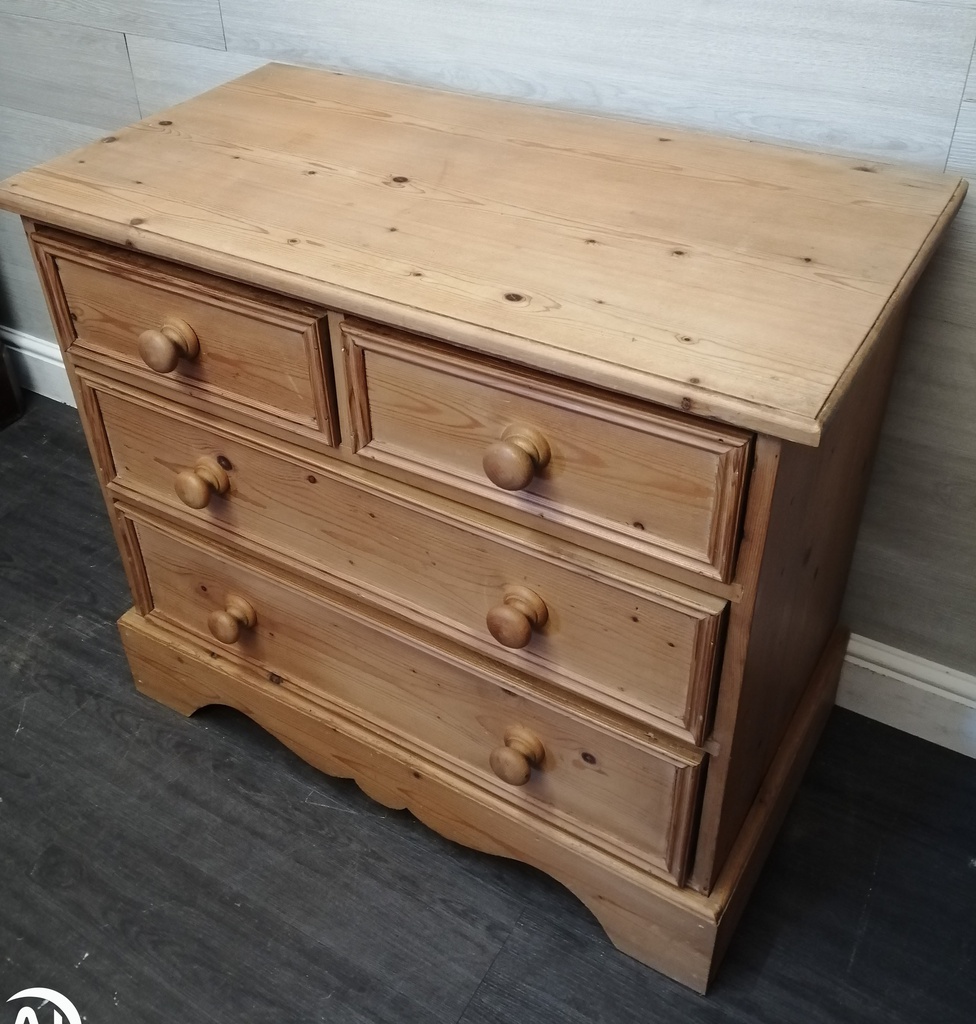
225 624
194 487
511 622
162 348
523 751
512 462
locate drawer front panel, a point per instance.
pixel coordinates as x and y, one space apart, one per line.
646 481
644 647
253 350
617 793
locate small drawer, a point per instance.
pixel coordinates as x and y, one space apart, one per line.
239 347
633 640
645 480
609 788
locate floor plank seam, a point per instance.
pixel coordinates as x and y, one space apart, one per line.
488 969
130 833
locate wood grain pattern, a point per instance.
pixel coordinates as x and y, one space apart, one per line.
621 797
92 84
679 927
565 280
630 640
764 78
163 825
799 566
255 351
675 931
353 612
174 831
882 78
125 534
94 428
629 474
189 21
779 784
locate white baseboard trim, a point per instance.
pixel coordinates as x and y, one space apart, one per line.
891 686
917 696
38 365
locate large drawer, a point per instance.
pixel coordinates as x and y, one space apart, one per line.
240 348
634 641
643 479
609 788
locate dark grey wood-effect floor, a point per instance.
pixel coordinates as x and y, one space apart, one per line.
158 869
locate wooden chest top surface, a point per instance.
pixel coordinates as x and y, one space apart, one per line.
739 281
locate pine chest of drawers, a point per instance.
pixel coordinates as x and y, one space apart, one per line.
505 460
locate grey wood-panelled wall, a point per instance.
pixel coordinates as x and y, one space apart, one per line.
888 79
